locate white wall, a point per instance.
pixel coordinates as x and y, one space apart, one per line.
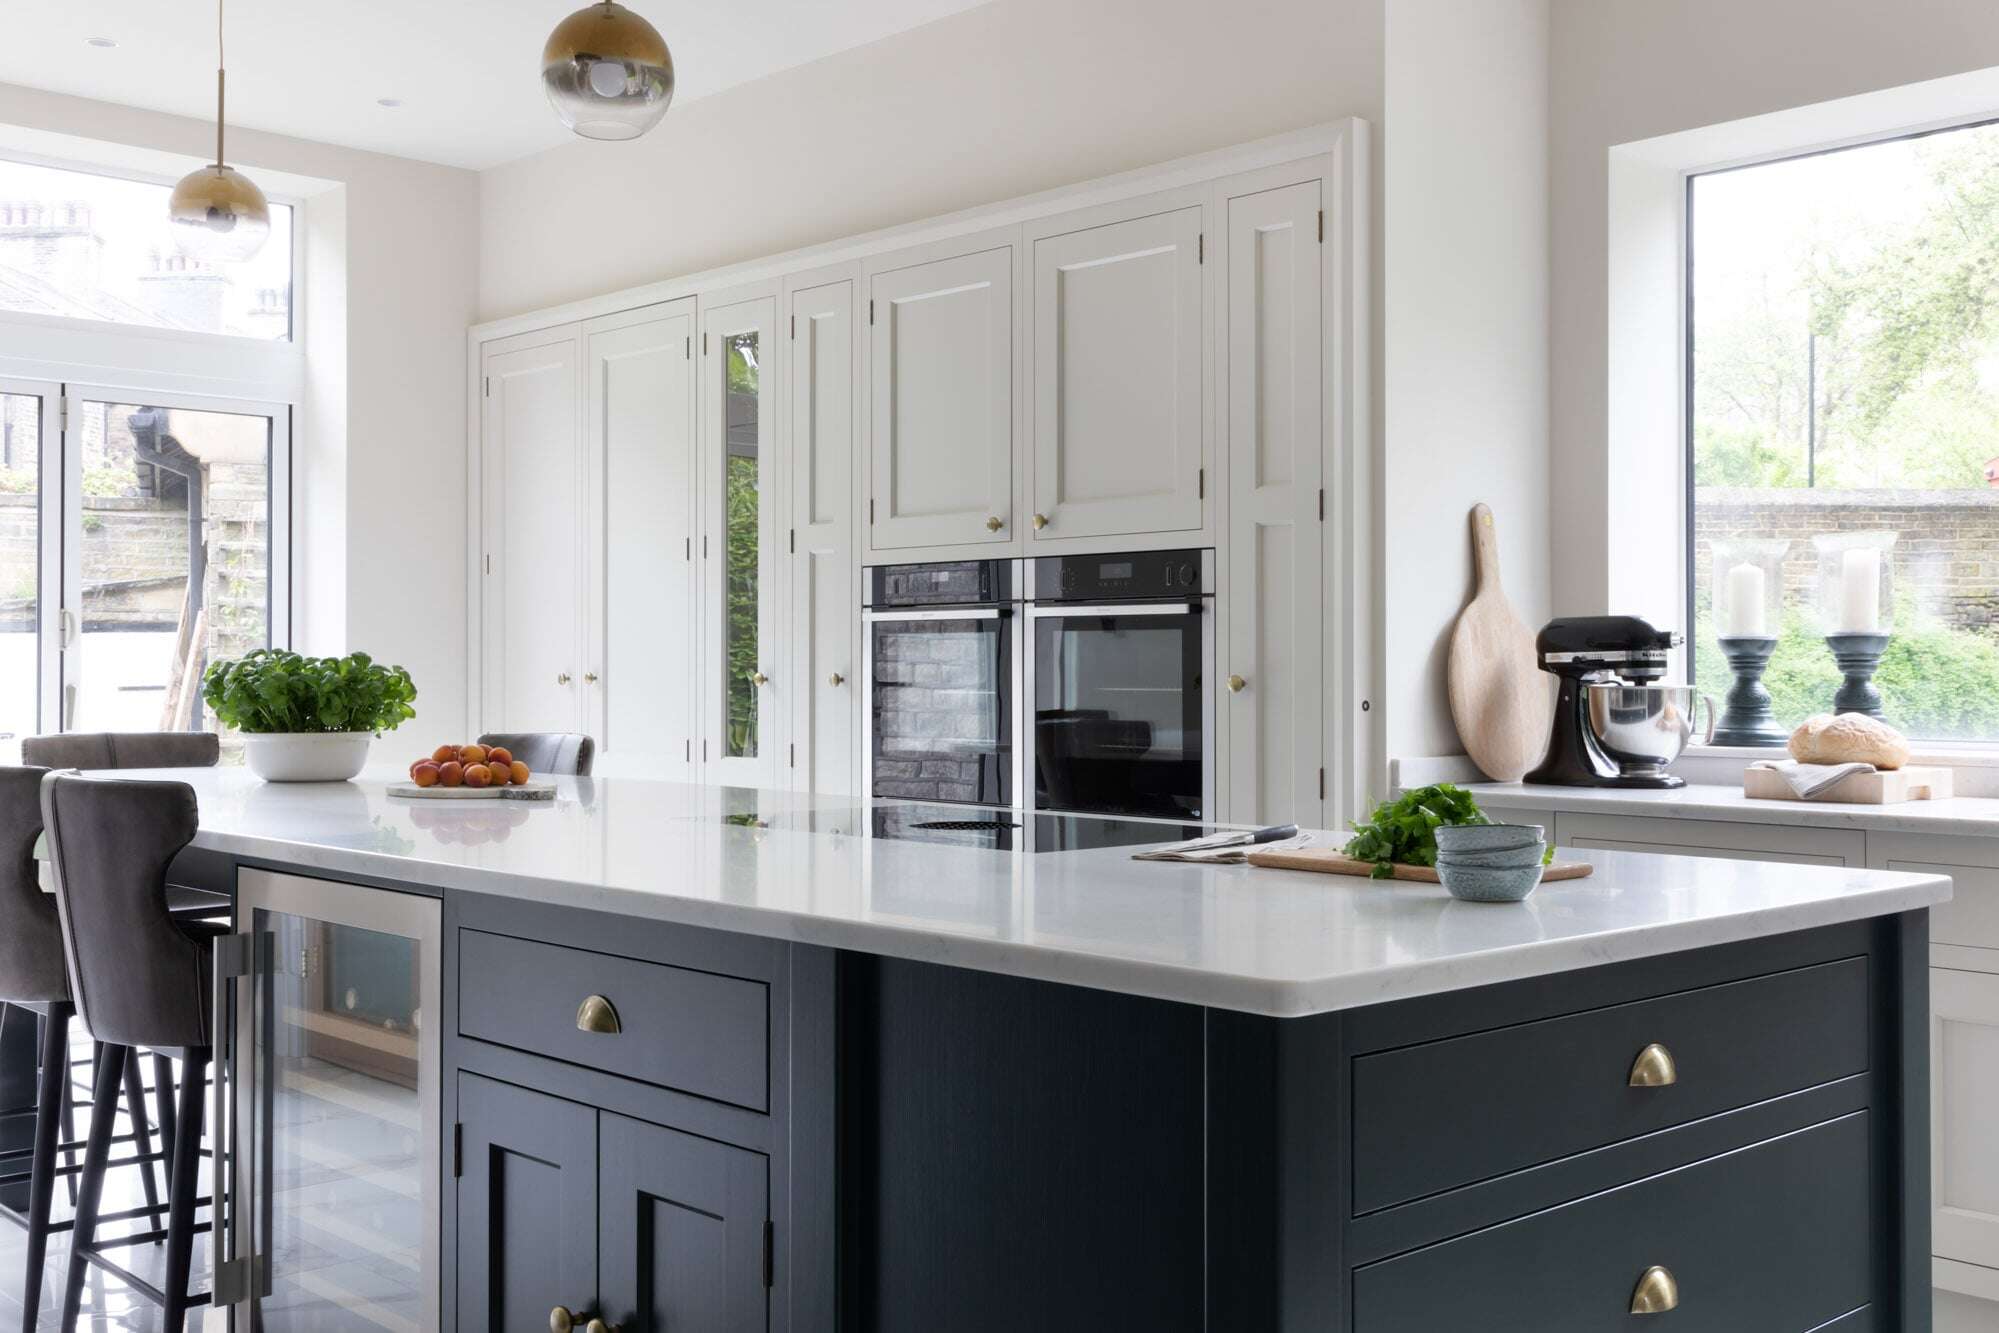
1465 342
1000 101
1627 71
380 438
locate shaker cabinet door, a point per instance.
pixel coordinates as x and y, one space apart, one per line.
940 402
823 596
527 1207
1116 372
682 1233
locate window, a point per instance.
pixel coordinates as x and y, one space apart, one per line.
86 246
1844 419
744 399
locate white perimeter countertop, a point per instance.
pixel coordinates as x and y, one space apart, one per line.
1281 943
1975 816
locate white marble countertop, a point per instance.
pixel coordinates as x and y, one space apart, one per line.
1274 942
1970 815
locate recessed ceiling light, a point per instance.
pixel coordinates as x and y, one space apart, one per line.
101 43
389 101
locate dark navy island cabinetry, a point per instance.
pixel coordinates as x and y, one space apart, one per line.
770 1135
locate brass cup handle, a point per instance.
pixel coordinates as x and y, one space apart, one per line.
836 679
1654 1068
1040 522
598 1014
1656 1292
759 679
562 678
994 523
1237 684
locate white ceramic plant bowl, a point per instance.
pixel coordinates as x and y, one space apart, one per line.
307 756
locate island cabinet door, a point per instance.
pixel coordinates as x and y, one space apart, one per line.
527 1208
684 1237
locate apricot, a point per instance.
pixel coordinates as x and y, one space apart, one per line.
425 774
413 767
518 771
472 754
451 773
478 775
499 754
444 754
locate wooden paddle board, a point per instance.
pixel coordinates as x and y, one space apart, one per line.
1326 861
1881 787
1501 700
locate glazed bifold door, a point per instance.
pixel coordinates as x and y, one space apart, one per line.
527 1208
682 1231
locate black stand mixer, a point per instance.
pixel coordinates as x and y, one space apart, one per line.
1601 651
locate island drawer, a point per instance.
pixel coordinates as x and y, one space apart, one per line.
1440 1114
1769 1239
675 1027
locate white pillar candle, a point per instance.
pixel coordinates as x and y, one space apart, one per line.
1743 603
1860 590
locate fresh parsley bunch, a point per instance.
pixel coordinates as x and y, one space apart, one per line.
270 691
1405 830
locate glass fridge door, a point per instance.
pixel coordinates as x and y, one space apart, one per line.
332 1081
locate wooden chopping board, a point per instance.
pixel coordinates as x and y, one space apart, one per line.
1326 861
1501 700
1881 787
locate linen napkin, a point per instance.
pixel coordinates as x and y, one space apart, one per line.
1811 779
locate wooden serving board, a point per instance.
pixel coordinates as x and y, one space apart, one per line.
1881 787
1326 861
1501 700
527 791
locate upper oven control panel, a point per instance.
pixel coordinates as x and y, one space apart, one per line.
1122 576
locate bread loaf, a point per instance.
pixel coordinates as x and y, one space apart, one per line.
1848 738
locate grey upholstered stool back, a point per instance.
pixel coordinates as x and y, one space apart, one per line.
31 955
138 979
123 749
548 754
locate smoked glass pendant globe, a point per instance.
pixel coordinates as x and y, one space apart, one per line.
607 72
218 215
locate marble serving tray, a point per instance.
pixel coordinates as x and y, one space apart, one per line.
527 791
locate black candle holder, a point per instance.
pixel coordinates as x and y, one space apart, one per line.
1859 657
1745 716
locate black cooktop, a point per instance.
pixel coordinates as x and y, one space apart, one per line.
989 828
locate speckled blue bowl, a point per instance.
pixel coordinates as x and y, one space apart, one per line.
1509 858
1489 884
1487 837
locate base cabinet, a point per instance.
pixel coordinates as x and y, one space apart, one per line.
527 1206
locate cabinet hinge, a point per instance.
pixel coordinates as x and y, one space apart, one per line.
489 562
871 511
689 552
687 752
1322 504
794 326
690 348
704 546
793 755
794 541
1322 784
704 342
1322 226
489 394
871 311
1201 248
770 1253
704 749
457 1151
1201 488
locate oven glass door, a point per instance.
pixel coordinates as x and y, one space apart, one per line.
1120 724
941 687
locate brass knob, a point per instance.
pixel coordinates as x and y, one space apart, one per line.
599 1326
589 678
597 1014
836 679
1654 1068
1040 522
994 523
759 679
1237 684
1656 1292
561 1320
562 678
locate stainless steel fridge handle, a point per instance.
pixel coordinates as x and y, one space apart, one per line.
234 1184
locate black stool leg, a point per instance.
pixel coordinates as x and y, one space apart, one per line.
142 1130
48 1131
186 1183
90 1191
163 1103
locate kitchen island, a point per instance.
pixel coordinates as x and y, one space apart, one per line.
708 1058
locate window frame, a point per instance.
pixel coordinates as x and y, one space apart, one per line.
1960 749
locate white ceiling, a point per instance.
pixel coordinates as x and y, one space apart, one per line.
467 71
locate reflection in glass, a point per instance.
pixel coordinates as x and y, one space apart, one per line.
740 525
20 567
176 559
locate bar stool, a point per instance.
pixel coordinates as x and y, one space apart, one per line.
139 977
34 979
549 753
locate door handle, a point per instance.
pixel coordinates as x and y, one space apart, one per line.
564 1320
759 680
589 678
1040 522
562 678
836 679
994 523
1657 1292
1654 1068
1237 684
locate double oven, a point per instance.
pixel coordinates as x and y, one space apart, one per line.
1075 684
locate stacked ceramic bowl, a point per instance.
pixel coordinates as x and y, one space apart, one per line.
1490 863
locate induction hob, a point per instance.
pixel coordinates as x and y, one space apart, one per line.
988 828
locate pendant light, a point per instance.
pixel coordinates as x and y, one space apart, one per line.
607 72
217 213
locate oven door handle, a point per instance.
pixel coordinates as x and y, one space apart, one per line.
963 613
1058 609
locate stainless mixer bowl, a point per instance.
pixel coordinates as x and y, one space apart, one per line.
1643 728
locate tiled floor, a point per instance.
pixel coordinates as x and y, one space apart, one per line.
347 1213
